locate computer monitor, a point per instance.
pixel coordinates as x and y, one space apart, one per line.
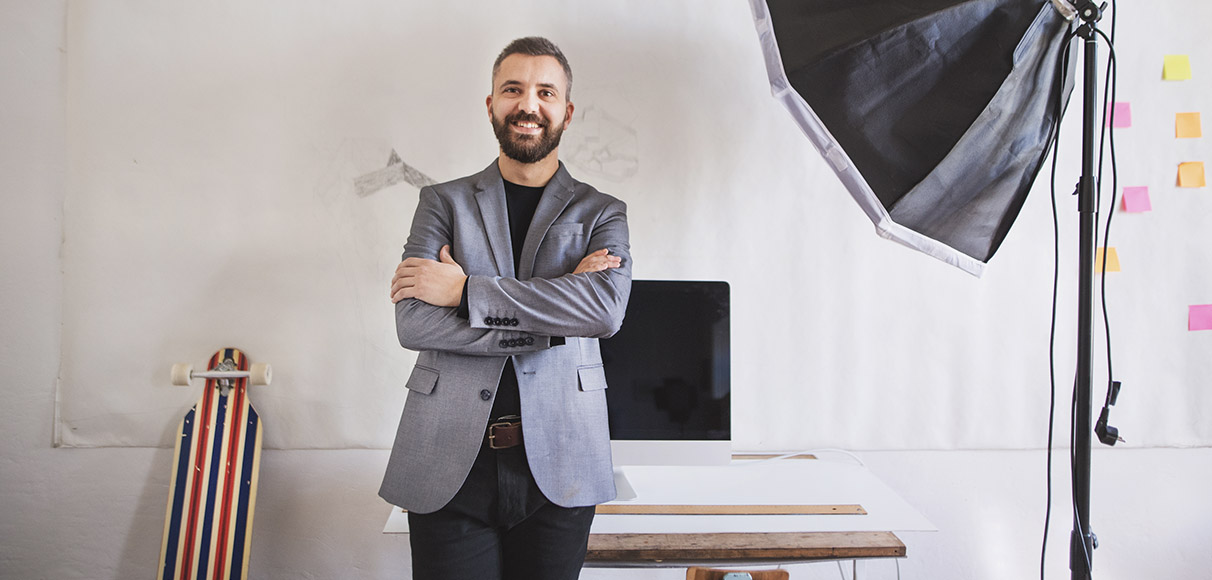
668 375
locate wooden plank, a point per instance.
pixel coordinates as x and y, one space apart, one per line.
748 510
748 547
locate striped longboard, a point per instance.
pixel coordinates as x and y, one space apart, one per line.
213 491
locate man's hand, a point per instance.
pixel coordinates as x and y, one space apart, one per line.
438 283
598 261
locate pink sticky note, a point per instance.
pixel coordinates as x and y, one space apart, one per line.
1123 115
1199 317
1136 199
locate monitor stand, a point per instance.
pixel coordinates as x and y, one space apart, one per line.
650 452
623 489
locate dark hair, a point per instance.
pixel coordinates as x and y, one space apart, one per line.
536 46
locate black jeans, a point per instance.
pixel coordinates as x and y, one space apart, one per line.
499 526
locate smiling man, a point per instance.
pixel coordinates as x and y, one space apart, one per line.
509 278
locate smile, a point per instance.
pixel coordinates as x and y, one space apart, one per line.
527 125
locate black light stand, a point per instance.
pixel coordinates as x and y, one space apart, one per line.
1083 541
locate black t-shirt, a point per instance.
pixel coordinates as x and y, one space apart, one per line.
521 202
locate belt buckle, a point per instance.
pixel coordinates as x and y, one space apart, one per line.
501 422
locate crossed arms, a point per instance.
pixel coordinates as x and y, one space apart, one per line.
587 302
440 282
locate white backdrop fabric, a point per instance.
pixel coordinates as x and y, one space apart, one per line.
214 200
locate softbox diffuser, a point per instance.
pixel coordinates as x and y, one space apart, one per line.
935 114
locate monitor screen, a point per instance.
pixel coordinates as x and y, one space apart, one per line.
668 368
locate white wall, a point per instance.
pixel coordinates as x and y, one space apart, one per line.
98 513
212 151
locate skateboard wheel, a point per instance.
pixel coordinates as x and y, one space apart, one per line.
260 374
181 374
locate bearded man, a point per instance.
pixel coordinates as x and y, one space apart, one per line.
509 278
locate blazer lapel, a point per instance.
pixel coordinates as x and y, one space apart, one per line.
556 197
491 199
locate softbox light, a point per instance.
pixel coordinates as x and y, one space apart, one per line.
935 114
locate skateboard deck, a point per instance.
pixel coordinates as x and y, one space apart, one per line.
213 488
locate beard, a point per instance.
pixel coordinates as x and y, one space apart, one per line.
527 148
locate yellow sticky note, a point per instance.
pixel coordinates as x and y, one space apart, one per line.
1187 126
1191 174
1177 68
1112 260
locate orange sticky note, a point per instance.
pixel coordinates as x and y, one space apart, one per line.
1177 67
1112 260
1187 126
1191 174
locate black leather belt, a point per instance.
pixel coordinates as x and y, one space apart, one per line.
505 432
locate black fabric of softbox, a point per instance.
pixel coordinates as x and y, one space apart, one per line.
934 113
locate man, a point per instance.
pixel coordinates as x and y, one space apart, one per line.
509 277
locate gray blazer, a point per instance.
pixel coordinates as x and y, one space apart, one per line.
515 309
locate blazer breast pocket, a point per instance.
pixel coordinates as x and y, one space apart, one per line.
566 229
562 249
422 380
592 378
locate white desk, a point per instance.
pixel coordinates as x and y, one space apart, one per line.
794 481
678 540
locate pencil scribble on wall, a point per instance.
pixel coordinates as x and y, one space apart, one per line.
395 172
602 146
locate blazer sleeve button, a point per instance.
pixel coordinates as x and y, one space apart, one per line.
487 321
504 343
513 321
529 340
485 395
496 321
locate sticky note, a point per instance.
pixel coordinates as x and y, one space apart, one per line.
1112 260
1120 116
1136 199
1176 68
1199 317
1186 126
1191 174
